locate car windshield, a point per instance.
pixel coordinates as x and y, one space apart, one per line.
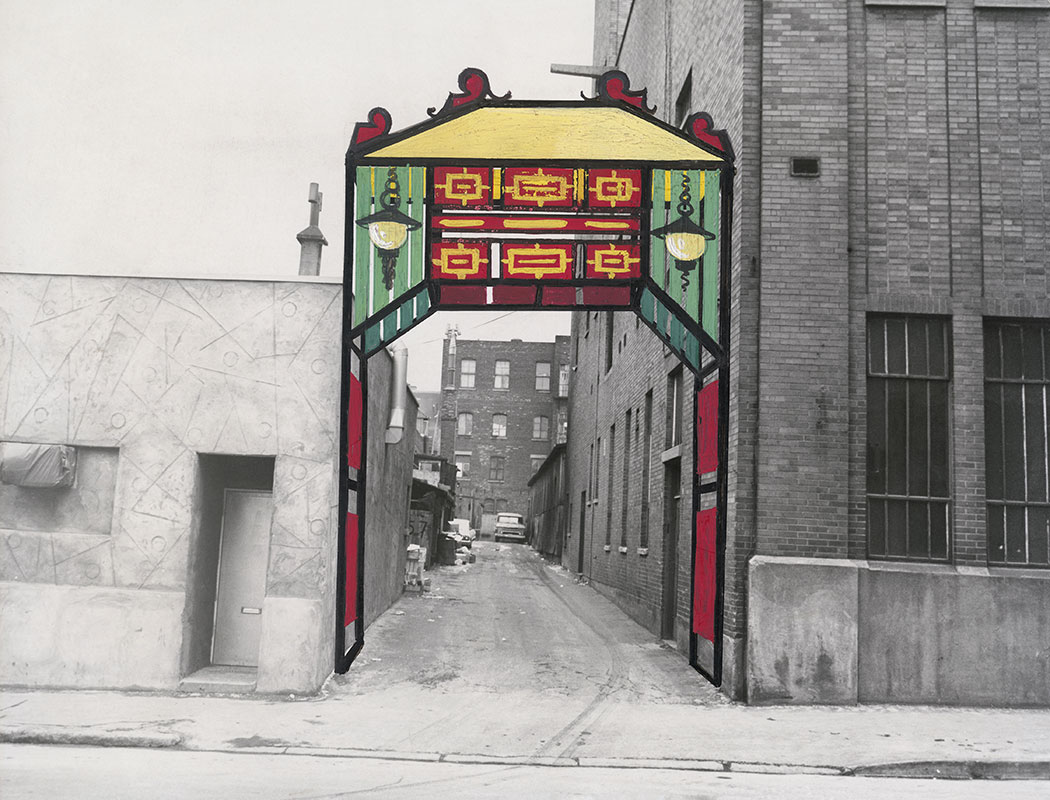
509 519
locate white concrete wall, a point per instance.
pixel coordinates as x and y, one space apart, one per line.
164 369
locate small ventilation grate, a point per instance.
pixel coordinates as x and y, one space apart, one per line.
805 167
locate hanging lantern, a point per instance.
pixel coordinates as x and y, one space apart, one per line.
685 239
388 228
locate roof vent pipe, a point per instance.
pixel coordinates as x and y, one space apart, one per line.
395 428
310 238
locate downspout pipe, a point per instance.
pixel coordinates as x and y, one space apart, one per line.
395 428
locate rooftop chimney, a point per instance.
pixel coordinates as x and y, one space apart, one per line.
311 238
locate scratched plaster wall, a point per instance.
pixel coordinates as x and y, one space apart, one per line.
159 370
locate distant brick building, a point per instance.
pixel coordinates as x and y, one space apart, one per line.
887 521
504 405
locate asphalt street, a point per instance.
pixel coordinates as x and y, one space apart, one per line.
508 679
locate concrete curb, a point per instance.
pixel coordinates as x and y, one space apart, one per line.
78 736
959 770
944 770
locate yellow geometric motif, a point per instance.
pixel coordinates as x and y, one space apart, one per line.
538 188
461 262
463 186
613 261
614 189
537 261
461 223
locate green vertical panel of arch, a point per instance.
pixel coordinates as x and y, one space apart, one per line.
699 299
712 208
362 246
368 267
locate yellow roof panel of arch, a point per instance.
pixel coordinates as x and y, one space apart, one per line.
547 133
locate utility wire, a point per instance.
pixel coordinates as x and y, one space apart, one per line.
472 327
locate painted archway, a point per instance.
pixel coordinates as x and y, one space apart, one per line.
494 203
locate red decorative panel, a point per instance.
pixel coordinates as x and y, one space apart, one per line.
707 429
534 223
353 425
607 295
538 187
460 259
536 260
350 607
614 188
559 296
462 295
614 261
514 295
462 186
705 574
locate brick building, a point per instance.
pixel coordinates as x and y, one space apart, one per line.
887 522
504 405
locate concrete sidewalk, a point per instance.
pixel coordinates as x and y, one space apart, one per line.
509 661
515 728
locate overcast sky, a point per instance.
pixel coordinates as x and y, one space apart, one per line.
179 138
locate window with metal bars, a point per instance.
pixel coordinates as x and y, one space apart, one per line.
1016 380
909 375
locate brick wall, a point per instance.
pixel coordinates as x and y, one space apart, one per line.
521 402
933 153
389 483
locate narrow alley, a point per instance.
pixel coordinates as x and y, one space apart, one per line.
513 625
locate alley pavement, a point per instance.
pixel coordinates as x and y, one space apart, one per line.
511 661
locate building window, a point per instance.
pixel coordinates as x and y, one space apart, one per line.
499 426
541 428
502 375
626 477
496 468
543 376
908 476
537 461
463 463
465 424
610 459
673 423
1017 376
563 380
467 368
608 340
647 454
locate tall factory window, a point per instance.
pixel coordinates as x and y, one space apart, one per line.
502 375
467 367
673 423
647 454
1017 376
609 495
909 374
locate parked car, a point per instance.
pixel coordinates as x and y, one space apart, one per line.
509 527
